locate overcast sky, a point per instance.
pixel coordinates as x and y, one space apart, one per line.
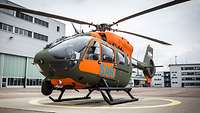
178 25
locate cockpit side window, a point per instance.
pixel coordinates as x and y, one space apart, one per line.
93 52
107 54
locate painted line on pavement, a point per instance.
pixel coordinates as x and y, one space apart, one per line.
172 103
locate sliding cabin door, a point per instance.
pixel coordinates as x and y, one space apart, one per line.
107 62
99 60
90 61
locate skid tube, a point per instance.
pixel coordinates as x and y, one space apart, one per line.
105 92
70 99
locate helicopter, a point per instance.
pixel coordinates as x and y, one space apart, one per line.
98 60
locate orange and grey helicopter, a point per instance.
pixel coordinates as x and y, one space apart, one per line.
97 60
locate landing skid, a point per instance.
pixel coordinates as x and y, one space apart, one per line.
105 92
69 99
109 99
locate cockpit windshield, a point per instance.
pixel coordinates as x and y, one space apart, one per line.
63 49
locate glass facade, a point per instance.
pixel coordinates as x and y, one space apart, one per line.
15 69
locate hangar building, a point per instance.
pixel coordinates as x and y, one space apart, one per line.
22 35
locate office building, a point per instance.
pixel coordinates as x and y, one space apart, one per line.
185 75
22 35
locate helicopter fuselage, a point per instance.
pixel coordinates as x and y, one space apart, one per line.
81 61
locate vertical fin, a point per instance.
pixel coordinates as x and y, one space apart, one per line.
148 55
149 70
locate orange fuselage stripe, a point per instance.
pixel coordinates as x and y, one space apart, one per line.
67 81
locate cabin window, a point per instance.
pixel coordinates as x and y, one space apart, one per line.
128 60
65 48
107 54
94 52
121 58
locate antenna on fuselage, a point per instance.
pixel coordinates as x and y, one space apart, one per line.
76 31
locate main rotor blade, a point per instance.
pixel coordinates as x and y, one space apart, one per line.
142 36
11 7
150 10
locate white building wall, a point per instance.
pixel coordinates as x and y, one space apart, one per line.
175 76
25 46
21 45
183 80
158 80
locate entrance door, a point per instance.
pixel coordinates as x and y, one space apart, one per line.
107 69
90 61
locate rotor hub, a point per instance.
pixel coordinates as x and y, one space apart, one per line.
103 27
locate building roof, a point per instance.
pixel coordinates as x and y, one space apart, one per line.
10 3
183 64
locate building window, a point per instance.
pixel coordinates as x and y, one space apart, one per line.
1 25
6 27
40 36
198 78
7 11
10 81
190 68
174 82
192 84
197 73
41 22
20 82
34 82
24 16
3 79
23 32
191 78
15 81
10 28
58 29
29 34
190 73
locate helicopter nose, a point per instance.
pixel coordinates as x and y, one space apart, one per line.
42 57
42 60
51 66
